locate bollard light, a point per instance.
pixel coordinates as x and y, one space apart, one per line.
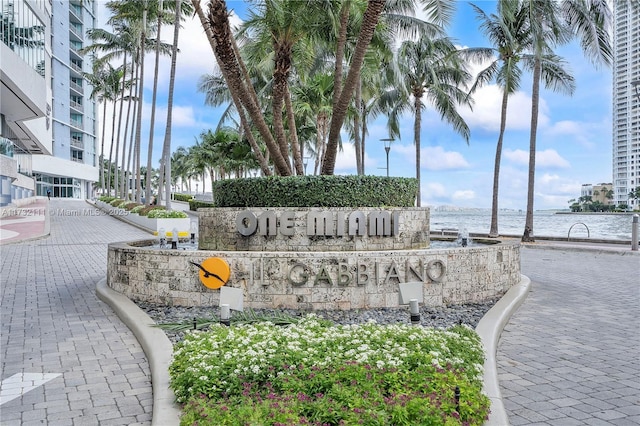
162 237
195 324
225 314
174 239
415 312
457 396
193 231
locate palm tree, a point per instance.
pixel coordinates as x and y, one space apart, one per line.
555 23
369 22
509 34
431 67
104 81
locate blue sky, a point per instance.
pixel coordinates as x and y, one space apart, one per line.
573 145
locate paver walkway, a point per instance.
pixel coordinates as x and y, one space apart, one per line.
83 364
571 354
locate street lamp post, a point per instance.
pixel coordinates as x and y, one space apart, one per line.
387 148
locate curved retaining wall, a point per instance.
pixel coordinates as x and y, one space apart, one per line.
316 280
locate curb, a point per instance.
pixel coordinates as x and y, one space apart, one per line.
490 328
157 347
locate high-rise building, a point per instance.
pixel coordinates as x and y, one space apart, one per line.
626 101
73 167
25 94
47 119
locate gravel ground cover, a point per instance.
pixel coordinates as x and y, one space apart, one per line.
439 317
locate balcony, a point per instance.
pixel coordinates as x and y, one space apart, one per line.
76 87
75 12
75 66
76 122
76 106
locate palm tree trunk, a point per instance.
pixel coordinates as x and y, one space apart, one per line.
217 27
293 134
416 137
356 127
153 103
369 22
262 160
140 103
113 128
166 149
104 121
124 80
131 100
527 235
282 63
341 43
493 232
131 167
363 136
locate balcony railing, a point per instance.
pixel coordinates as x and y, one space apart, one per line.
76 67
76 105
76 87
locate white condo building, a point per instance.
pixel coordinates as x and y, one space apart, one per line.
48 121
626 101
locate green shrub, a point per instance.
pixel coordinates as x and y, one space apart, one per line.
106 198
313 373
183 197
316 191
166 214
137 208
144 211
129 206
194 205
116 202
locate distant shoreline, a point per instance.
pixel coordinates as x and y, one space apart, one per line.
598 213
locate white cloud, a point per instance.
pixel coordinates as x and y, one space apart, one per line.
181 116
546 158
487 107
433 157
436 158
435 189
463 195
346 160
583 133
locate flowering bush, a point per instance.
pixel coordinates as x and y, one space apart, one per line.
137 209
164 214
313 373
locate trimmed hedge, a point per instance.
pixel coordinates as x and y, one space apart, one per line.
183 197
316 191
194 205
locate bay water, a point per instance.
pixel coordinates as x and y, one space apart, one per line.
545 223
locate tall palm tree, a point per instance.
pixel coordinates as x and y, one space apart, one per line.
555 23
165 169
104 81
508 31
431 67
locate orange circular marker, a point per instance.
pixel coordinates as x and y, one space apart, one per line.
214 272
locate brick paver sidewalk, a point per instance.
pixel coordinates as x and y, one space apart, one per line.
571 354
86 366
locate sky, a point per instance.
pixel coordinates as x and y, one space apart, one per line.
574 143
